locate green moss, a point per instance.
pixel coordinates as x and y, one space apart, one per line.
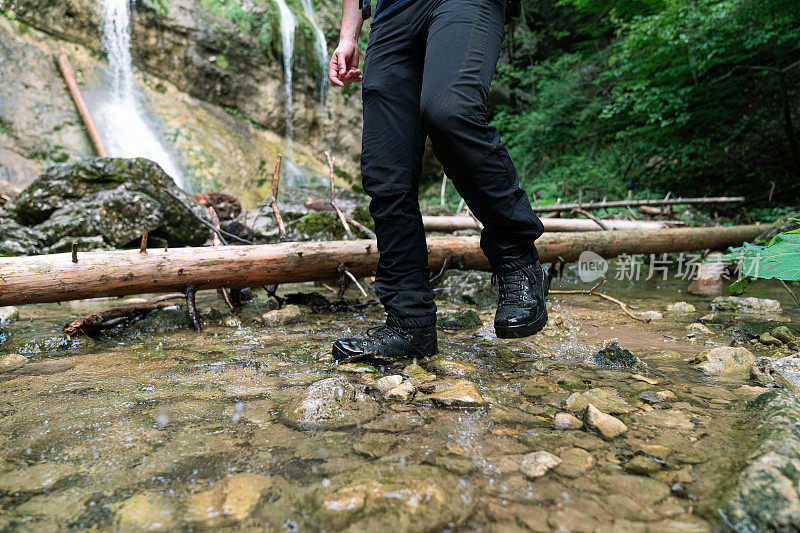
361 214
315 223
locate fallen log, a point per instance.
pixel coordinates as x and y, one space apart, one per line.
447 224
55 278
634 203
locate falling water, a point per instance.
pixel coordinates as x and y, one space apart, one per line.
288 27
120 116
322 53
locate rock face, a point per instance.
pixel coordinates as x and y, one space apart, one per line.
724 360
766 497
234 66
778 372
332 403
106 197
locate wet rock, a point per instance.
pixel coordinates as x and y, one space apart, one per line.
467 319
566 421
413 370
8 315
641 464
356 368
614 356
575 463
651 315
452 368
645 379
537 464
456 393
646 490
111 197
768 340
606 425
146 512
233 498
778 372
402 392
11 362
36 478
470 287
784 334
64 507
375 445
387 383
332 403
711 318
697 327
279 317
666 419
681 307
724 360
375 498
749 305
603 399
657 397
765 497
395 423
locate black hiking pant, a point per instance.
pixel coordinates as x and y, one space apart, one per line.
427 71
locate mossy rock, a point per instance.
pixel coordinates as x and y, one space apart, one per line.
467 319
112 197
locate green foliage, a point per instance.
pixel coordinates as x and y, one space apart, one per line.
160 7
655 96
778 259
258 20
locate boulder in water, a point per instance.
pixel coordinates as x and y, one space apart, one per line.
331 403
109 197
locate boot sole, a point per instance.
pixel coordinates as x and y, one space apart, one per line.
343 357
523 330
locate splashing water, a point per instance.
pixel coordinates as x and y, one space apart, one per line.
120 116
288 27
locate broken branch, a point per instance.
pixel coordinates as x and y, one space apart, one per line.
591 292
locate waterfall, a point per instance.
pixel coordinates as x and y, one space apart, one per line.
120 116
322 53
288 27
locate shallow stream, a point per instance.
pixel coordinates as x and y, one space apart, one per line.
155 427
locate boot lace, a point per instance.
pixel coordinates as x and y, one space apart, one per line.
512 285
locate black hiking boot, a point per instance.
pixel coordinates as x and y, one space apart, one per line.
387 344
521 311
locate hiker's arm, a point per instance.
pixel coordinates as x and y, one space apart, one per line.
344 62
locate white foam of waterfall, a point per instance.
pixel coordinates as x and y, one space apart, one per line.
120 116
322 53
288 27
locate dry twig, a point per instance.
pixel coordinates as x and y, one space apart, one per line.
591 217
333 198
90 324
273 201
592 292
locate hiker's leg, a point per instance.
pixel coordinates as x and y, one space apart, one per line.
463 44
391 162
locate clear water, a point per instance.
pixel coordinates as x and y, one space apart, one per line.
119 114
151 427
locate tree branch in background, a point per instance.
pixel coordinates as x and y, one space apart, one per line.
333 198
592 292
273 201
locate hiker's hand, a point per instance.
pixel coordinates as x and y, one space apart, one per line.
344 64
